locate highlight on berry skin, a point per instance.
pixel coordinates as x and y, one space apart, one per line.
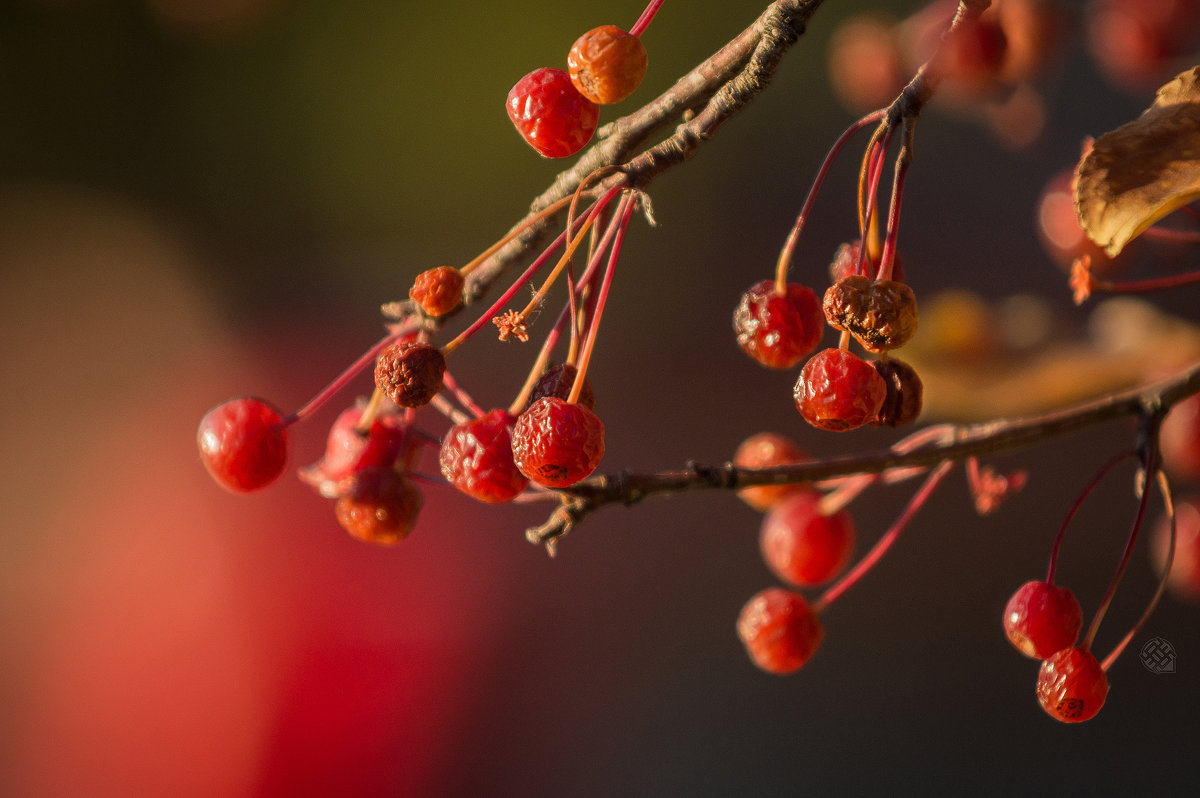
779 630
1041 619
778 330
550 113
244 444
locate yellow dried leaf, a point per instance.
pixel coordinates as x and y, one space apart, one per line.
1137 174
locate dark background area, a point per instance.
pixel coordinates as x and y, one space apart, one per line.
206 199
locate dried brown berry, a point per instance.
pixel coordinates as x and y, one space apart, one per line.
438 291
410 373
902 404
557 381
880 314
380 506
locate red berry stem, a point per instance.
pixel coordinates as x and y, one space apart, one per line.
447 409
881 547
1169 505
462 396
873 172
903 161
646 18
847 489
1173 236
1148 469
1147 286
624 212
1079 500
355 368
785 255
524 225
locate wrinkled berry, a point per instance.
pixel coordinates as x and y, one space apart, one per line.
557 381
905 392
780 630
380 506
410 373
1071 685
778 331
243 444
607 64
438 290
839 391
550 113
476 458
556 444
845 261
880 314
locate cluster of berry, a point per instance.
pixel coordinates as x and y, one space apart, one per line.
557 111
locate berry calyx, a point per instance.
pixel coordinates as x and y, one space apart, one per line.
380 506
778 330
476 457
779 630
1041 619
839 391
410 373
607 64
550 113
802 545
905 394
764 450
556 444
880 314
243 444
557 381
1071 685
438 290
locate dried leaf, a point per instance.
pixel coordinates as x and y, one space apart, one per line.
1137 174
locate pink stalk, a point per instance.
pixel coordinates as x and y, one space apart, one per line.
343 379
872 557
893 223
1079 500
875 173
785 257
462 396
1173 236
646 18
1145 286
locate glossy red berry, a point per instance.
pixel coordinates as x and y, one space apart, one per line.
556 444
764 450
1071 685
550 113
780 631
243 443
558 381
839 391
410 373
438 290
607 64
1184 579
1041 619
380 506
802 545
476 458
349 450
778 331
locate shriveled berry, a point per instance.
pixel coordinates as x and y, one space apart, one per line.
348 451
880 314
607 64
556 444
1041 619
476 458
243 444
380 506
839 391
410 373
845 261
1184 579
557 381
550 113
802 545
778 331
764 450
780 631
905 393
1071 685
438 290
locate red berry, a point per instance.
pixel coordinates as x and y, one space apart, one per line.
438 291
764 450
1042 618
410 373
780 630
550 113
557 381
839 391
607 64
244 444
348 451
556 444
477 458
973 56
1184 579
380 506
803 546
845 261
1071 685
1180 438
778 331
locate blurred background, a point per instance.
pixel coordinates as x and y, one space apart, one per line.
206 198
